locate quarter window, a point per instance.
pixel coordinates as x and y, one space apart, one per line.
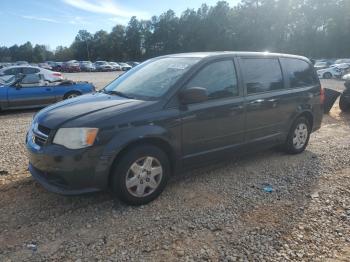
219 78
299 73
262 74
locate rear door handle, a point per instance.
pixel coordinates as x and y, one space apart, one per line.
48 89
236 107
258 101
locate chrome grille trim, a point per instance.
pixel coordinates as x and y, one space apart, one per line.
37 132
38 137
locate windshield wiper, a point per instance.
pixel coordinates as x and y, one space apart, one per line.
118 93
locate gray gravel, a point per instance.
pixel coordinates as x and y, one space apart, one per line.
99 79
217 213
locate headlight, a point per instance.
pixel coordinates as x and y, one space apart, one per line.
75 138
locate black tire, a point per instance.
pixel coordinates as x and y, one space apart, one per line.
289 145
327 75
120 172
344 105
71 94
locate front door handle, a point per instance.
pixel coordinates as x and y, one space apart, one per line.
48 89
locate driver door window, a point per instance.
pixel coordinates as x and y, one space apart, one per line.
31 81
219 78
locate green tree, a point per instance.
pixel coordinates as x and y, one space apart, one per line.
81 46
314 28
132 42
116 42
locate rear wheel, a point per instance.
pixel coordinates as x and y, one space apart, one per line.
298 137
140 175
327 75
344 105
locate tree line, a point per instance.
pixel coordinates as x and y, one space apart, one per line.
314 28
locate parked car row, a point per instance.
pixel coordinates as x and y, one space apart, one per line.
73 66
332 68
88 66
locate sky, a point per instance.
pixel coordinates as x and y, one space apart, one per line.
56 22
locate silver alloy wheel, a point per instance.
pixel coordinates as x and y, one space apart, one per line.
300 136
144 176
72 96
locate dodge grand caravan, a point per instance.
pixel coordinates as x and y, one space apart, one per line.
172 113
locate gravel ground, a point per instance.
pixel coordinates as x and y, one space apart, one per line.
217 213
99 79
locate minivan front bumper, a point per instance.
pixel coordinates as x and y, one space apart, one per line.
56 183
65 171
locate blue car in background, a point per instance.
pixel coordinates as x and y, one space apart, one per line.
32 91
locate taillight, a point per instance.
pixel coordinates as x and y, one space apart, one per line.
323 96
57 74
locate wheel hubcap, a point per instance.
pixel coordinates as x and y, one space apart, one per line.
144 176
72 96
300 136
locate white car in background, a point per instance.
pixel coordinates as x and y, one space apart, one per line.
329 73
125 66
342 61
346 77
336 70
45 66
115 66
7 72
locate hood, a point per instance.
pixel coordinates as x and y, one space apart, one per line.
56 115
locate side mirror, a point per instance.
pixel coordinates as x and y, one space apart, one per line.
193 95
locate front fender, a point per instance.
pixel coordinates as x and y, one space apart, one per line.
123 139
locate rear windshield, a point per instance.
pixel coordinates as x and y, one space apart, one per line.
152 79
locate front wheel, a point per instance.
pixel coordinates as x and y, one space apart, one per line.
71 95
298 137
140 175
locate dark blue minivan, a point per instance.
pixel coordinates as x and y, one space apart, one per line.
172 113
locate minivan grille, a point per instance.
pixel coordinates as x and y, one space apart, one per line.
39 141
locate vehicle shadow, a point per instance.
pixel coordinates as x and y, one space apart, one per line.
19 111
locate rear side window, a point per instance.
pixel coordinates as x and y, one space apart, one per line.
12 71
262 74
219 78
299 73
30 70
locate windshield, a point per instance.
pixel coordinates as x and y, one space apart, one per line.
9 81
152 79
